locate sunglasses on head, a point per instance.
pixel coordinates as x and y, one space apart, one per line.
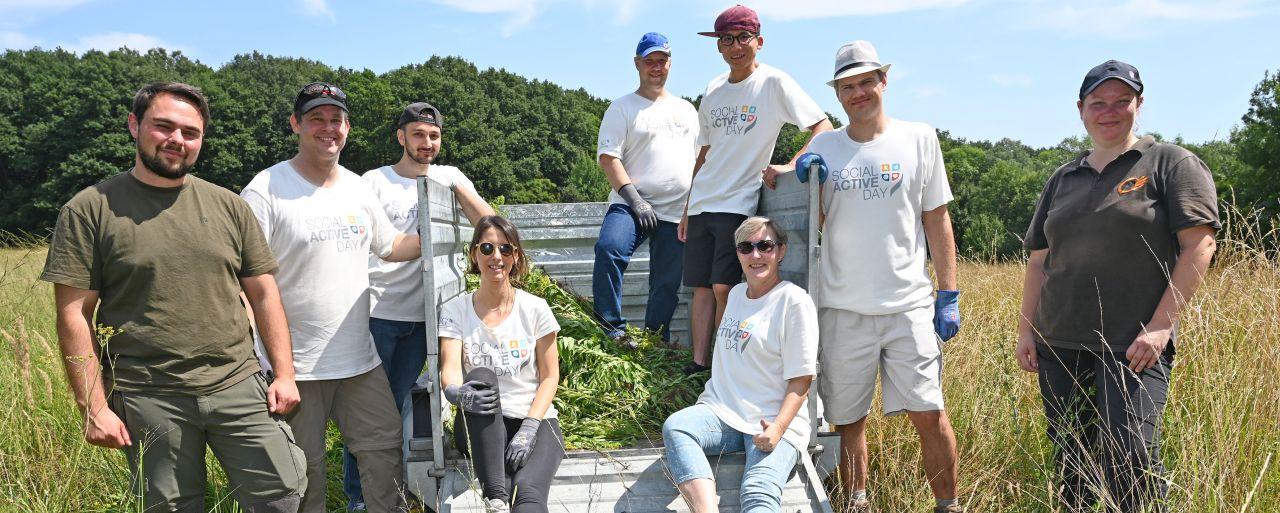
321 88
486 249
765 246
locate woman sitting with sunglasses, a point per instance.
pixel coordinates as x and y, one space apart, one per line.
765 359
499 365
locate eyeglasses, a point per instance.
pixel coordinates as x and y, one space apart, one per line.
765 246
486 249
744 38
323 89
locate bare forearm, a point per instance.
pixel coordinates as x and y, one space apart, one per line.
273 328
1188 274
614 172
80 359
472 206
942 246
546 391
404 248
797 391
1032 281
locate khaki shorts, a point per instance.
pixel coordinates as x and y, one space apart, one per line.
901 348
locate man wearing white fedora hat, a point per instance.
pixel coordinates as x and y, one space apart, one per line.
886 195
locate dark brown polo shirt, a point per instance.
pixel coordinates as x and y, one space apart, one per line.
1112 241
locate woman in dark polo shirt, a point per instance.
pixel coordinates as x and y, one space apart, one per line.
1120 240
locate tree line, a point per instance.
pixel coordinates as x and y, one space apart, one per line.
62 128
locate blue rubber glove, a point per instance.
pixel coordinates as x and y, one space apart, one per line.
946 314
806 160
522 444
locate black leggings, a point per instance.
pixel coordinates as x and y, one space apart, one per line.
529 484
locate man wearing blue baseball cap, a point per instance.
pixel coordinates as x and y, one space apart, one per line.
646 147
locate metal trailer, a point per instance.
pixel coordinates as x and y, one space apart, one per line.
558 238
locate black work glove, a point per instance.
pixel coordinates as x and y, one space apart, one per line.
645 217
474 397
522 444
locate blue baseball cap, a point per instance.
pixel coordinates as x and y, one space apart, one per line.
653 42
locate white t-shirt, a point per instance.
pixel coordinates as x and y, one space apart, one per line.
762 343
395 288
322 237
657 142
507 349
873 244
741 122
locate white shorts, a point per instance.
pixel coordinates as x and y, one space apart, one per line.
902 348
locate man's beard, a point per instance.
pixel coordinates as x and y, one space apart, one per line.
416 157
157 165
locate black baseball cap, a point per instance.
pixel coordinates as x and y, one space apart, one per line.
1108 70
420 111
316 94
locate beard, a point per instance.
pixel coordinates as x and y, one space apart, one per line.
157 165
419 158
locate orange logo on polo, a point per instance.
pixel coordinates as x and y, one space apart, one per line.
1131 184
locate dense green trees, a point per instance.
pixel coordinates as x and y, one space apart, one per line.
62 128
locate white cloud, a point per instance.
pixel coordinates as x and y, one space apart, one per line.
318 8
520 13
811 9
114 40
1132 17
1010 80
14 40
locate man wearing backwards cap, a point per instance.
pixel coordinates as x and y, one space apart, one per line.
322 221
646 147
741 114
397 321
877 309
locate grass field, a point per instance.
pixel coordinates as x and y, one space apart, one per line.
1221 430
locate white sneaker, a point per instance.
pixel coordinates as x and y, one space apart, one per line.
496 506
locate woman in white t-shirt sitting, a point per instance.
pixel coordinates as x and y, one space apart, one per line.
765 359
504 340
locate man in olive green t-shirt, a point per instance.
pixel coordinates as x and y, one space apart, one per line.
162 258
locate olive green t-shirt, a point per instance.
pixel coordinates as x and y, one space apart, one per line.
166 264
1112 241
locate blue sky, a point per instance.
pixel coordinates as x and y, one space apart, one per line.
982 69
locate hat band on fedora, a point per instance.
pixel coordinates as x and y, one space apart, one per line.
859 64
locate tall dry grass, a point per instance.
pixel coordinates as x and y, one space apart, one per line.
1221 436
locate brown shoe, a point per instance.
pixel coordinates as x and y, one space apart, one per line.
954 508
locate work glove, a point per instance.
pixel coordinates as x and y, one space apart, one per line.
474 397
645 217
806 160
521 445
946 314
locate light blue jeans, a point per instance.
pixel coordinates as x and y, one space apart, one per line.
695 432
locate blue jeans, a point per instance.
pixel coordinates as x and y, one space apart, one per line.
695 432
619 238
402 346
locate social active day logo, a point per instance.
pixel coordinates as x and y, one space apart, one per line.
871 182
735 334
346 231
734 120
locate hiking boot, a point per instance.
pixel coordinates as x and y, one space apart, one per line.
626 341
954 508
356 506
693 368
496 506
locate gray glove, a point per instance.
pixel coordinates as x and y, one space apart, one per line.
522 444
474 397
641 208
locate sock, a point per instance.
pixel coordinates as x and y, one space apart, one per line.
858 495
942 503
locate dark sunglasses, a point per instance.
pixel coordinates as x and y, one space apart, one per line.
321 89
765 246
744 38
486 249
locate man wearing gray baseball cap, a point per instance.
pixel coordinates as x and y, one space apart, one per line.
878 310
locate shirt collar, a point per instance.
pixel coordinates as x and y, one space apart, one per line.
1144 143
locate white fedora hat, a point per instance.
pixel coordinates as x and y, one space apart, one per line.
856 58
